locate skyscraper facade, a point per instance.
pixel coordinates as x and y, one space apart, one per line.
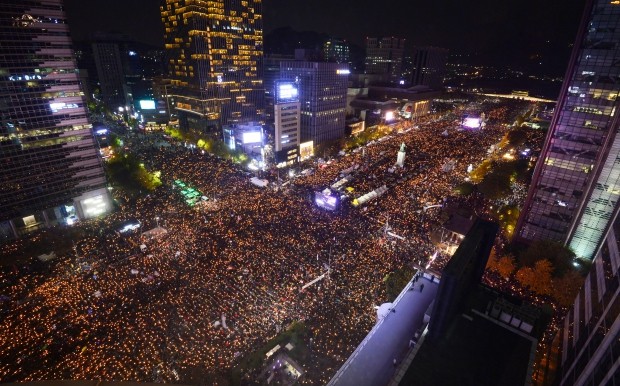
385 56
214 53
323 97
287 122
574 193
50 167
336 50
590 335
114 90
429 66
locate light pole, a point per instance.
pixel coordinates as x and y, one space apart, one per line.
157 221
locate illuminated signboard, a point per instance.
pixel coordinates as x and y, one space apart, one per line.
147 104
287 92
325 200
306 150
343 72
94 206
471 123
252 137
56 106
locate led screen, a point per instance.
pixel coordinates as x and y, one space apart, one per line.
325 201
94 206
287 92
252 137
471 123
147 104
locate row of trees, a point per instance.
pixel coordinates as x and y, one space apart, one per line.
544 268
210 145
127 171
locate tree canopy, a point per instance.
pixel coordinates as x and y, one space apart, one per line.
560 256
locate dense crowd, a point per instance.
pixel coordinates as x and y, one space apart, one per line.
226 278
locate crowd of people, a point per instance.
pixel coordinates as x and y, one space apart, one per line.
227 277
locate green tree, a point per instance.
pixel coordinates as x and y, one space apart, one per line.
494 186
508 216
149 181
517 137
477 175
396 281
560 256
465 189
132 122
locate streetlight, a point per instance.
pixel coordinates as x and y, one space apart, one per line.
157 221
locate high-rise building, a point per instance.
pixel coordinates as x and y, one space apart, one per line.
336 50
323 97
429 66
385 56
115 92
287 122
214 52
575 189
271 74
51 171
590 335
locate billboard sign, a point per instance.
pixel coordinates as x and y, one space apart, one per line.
306 150
252 137
472 122
286 92
147 104
326 200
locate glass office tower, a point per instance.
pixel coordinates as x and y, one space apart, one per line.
50 169
574 194
214 51
323 97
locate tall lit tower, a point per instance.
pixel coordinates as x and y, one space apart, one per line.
214 51
50 169
574 194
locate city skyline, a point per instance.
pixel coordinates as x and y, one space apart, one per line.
516 34
220 211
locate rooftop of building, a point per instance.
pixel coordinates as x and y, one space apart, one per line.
459 224
480 347
372 361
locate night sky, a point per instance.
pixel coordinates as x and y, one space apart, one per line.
502 31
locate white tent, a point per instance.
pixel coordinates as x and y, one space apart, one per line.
155 232
258 182
48 257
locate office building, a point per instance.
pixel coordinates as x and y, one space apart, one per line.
115 92
575 188
384 56
214 52
336 50
51 171
590 332
287 113
428 66
247 137
323 97
271 74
